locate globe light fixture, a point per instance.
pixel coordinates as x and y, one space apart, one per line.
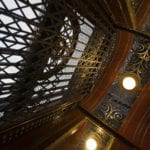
129 82
91 144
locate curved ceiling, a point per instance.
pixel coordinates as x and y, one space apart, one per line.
53 54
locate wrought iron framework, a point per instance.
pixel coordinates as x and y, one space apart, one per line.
18 130
50 52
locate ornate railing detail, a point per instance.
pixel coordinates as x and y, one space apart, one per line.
18 130
117 103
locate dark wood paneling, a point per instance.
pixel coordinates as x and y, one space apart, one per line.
118 10
136 126
142 13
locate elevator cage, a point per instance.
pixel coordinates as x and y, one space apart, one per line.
51 52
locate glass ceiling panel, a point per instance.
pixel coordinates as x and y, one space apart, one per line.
49 51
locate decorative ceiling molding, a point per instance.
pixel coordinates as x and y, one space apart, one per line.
117 103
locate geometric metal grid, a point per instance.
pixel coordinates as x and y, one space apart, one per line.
117 103
49 51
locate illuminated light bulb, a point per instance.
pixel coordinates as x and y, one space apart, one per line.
91 144
129 83
74 131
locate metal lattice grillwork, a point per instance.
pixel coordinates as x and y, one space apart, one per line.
49 50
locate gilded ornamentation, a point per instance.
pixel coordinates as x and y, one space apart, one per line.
117 103
140 61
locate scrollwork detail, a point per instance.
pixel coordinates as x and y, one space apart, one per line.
140 61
